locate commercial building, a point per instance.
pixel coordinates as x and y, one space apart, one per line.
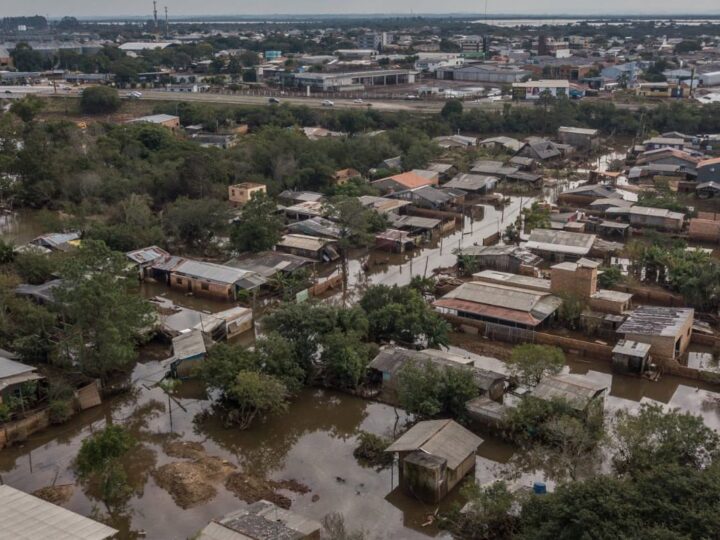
533 89
481 73
333 82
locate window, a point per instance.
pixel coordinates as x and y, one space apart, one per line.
205 286
178 281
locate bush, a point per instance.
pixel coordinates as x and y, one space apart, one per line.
4 412
60 411
35 268
371 451
99 100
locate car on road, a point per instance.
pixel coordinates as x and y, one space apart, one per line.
134 95
274 101
412 97
358 100
328 103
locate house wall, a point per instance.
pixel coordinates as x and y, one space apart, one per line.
656 222
608 306
202 287
704 230
582 282
663 347
455 476
708 173
242 195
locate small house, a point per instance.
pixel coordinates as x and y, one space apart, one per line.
145 257
290 197
514 259
657 218
434 456
475 184
315 226
707 190
216 280
443 170
240 194
270 263
57 241
262 520
383 205
533 180
580 394
541 150
708 170
705 227
403 182
668 330
526 164
581 138
502 144
586 194
630 357
427 197
304 210
13 374
310 247
189 351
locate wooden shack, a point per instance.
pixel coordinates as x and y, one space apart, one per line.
434 456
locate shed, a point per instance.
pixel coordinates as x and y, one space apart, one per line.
667 330
189 351
630 357
434 456
578 393
13 374
24 516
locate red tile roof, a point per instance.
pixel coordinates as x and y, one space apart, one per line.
706 162
410 180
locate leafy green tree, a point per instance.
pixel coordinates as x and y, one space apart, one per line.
7 251
104 318
610 276
401 314
259 227
530 363
344 359
427 390
35 267
99 100
655 438
98 461
536 217
195 222
253 394
27 108
453 108
488 514
25 58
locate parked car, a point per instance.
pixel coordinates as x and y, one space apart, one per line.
274 101
328 103
412 97
134 94
358 100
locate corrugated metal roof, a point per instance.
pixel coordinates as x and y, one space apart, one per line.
302 241
471 182
25 517
560 241
11 368
146 255
577 392
442 438
218 273
656 321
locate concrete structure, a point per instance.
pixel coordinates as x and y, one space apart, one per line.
434 457
580 279
262 520
480 73
499 304
24 516
631 357
582 138
667 330
240 194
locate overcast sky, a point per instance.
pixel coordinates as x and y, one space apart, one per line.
58 8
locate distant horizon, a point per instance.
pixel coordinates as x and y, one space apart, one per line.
251 9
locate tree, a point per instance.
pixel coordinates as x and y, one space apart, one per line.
99 461
536 217
427 390
35 267
104 318
259 227
99 100
656 438
401 314
26 59
529 363
452 109
488 514
253 394
195 222
344 359
609 277
27 108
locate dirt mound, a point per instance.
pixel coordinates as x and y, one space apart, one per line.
185 482
55 494
251 488
190 482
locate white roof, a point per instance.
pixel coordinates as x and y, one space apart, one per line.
144 45
26 517
559 83
154 119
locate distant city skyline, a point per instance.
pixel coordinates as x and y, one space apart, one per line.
140 8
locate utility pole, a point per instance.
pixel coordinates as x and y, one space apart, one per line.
155 18
167 26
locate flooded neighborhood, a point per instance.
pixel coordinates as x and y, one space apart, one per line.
350 279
